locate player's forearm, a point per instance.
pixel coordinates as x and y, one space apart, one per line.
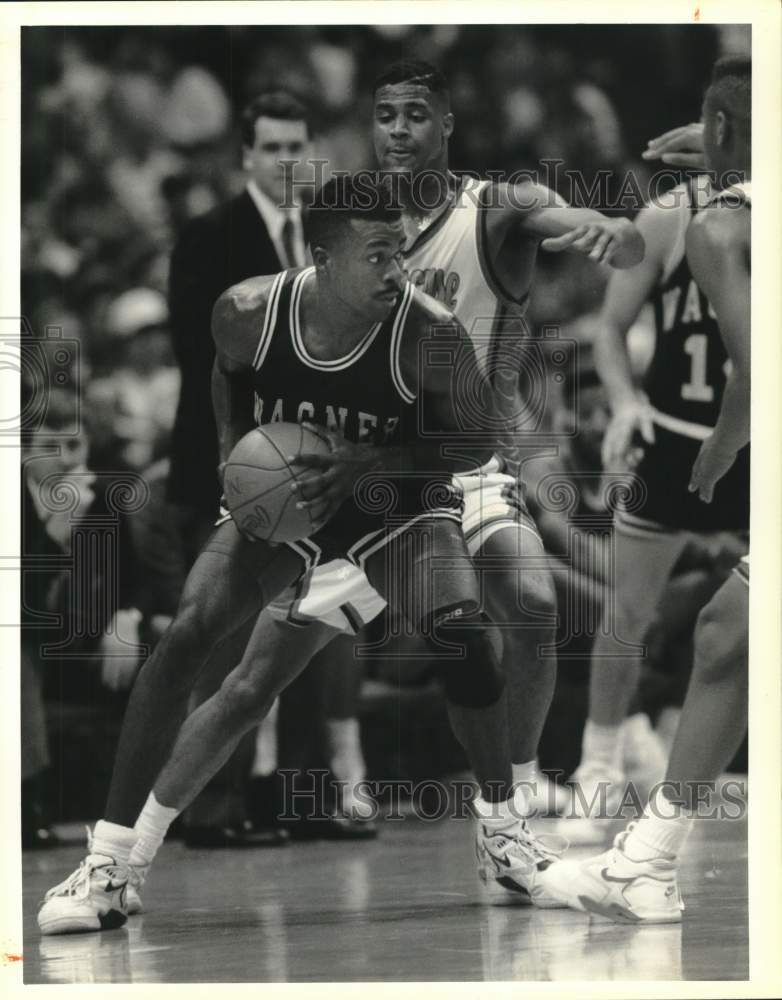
732 430
613 366
555 220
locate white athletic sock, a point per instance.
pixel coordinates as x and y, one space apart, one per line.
662 830
112 840
151 829
601 747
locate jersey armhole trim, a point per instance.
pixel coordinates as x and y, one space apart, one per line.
484 259
270 320
397 331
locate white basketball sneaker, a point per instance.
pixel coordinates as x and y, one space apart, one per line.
612 885
137 876
513 864
93 898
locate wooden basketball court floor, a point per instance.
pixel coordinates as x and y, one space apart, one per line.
405 907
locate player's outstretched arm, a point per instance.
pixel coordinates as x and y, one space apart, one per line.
718 252
236 319
626 294
544 216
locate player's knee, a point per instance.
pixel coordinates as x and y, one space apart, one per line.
720 648
471 674
245 698
538 598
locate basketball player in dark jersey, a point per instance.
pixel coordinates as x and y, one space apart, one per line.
343 336
636 881
473 245
665 426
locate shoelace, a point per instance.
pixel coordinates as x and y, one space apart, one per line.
543 847
522 842
78 882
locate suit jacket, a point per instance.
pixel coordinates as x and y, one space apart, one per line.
213 252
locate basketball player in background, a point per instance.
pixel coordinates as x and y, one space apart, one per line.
636 881
341 337
664 426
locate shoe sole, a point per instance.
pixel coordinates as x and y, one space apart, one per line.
623 915
71 925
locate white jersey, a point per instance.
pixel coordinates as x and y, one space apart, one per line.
449 262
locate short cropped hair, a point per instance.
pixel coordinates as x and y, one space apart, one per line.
346 197
730 90
415 71
272 104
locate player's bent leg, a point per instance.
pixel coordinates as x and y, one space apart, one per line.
714 715
275 655
643 561
521 602
511 862
636 881
230 581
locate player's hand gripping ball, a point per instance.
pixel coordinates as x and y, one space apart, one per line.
258 481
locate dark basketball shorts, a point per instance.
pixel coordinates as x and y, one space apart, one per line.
662 496
337 592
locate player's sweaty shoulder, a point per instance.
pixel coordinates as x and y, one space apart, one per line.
720 229
237 318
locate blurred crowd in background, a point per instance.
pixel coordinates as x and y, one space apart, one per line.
130 132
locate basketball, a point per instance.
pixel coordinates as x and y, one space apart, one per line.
258 479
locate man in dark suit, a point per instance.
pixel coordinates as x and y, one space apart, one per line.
247 236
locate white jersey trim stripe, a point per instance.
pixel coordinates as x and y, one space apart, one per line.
269 321
338 364
684 427
396 346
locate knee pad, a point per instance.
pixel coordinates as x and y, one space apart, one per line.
472 676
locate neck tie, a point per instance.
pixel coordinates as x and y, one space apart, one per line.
288 245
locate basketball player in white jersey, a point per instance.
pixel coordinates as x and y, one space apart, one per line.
636 881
